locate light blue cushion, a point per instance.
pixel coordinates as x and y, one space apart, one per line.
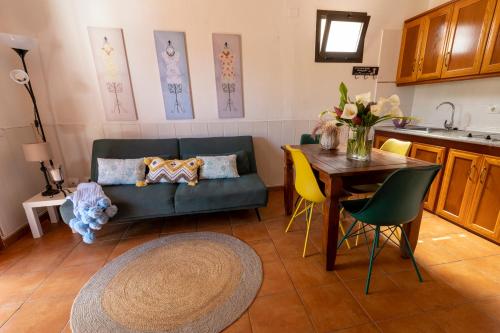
217 167
113 171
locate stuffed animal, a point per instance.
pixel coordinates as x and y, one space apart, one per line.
92 209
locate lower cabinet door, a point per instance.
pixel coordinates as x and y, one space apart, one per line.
460 177
484 216
379 141
433 154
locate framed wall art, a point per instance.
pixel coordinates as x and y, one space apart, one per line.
110 59
174 74
228 76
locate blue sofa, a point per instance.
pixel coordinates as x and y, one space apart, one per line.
165 199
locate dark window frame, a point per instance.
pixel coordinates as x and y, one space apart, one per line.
320 54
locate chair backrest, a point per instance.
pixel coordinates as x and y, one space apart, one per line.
399 198
305 181
309 139
396 146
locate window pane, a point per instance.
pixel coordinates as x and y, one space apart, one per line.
322 32
344 36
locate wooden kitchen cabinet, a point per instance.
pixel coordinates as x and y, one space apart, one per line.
433 154
484 215
469 30
432 47
379 141
491 60
409 52
460 177
458 40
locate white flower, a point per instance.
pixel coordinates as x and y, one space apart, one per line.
375 109
396 112
350 111
394 100
363 98
385 106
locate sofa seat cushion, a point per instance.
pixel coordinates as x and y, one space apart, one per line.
142 202
247 191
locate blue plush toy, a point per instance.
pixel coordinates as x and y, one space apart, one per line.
92 208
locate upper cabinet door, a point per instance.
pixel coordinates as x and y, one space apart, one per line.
469 29
491 61
408 54
432 49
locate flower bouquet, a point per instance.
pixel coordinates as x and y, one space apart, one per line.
328 128
360 114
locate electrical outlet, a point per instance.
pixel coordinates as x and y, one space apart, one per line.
494 109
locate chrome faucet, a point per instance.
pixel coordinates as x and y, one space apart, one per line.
448 125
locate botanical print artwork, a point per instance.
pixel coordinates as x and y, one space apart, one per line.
111 64
174 74
228 79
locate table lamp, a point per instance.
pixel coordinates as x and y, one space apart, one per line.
40 152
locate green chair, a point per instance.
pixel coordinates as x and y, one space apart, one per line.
395 203
309 139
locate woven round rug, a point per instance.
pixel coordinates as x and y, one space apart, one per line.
192 282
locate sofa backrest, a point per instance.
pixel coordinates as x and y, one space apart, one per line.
189 147
132 148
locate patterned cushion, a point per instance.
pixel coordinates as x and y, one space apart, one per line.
172 171
112 171
216 167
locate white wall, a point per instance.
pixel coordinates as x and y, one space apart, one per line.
472 99
284 89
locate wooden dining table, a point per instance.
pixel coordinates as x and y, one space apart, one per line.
338 172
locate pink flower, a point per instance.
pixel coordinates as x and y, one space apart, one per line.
337 111
356 120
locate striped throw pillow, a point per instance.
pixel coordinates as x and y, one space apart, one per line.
172 171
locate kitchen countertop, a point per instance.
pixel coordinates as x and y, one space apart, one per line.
453 135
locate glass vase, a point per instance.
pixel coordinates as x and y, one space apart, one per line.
359 145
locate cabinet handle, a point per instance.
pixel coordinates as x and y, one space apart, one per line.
482 177
447 59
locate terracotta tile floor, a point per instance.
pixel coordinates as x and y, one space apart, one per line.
461 292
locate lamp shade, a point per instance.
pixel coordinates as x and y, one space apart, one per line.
37 152
17 41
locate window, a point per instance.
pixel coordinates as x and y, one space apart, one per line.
340 36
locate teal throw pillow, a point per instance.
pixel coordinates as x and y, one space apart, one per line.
113 171
216 167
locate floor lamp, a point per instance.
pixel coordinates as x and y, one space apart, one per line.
21 45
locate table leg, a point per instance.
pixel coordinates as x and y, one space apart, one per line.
331 217
288 183
34 221
53 214
412 230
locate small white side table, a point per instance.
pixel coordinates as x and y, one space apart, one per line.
31 205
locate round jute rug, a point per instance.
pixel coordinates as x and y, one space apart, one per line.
192 282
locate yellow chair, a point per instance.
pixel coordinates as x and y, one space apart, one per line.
396 146
308 190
